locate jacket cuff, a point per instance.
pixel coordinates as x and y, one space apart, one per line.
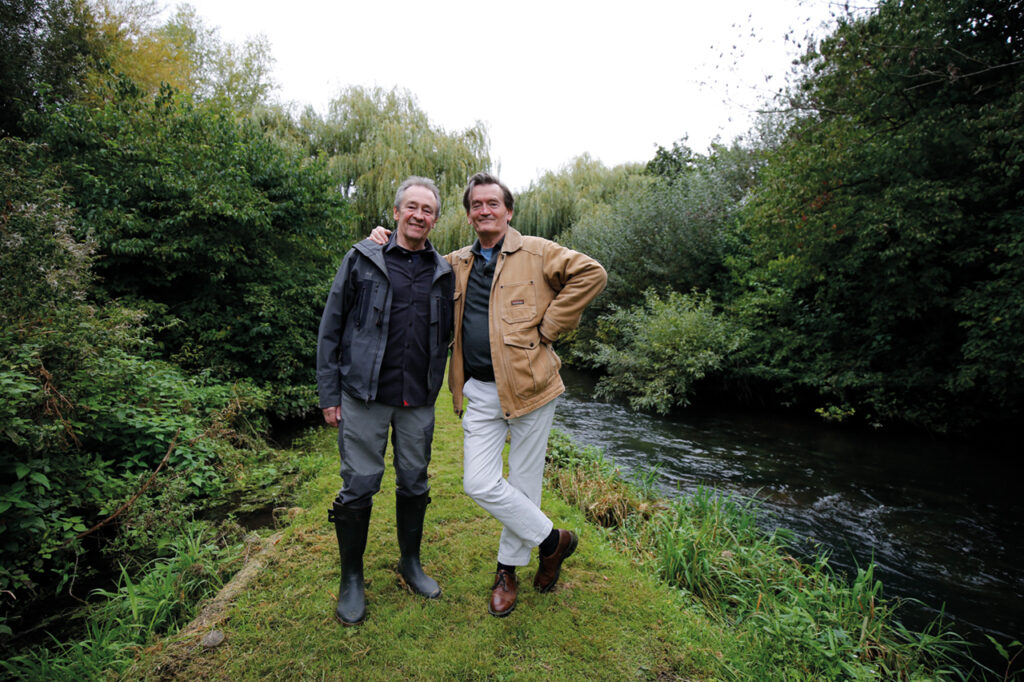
548 331
330 392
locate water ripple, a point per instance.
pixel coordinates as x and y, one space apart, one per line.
939 527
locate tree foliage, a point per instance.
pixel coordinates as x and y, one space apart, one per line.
183 53
63 50
376 138
224 236
884 238
46 47
239 74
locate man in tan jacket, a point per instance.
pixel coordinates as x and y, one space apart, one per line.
514 296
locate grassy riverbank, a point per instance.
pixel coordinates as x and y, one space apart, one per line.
745 610
688 589
604 620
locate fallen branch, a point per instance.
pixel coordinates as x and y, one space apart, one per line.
215 610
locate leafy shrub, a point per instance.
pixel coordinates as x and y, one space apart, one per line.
84 425
655 352
87 413
226 237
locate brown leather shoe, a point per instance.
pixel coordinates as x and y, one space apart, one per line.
551 566
503 598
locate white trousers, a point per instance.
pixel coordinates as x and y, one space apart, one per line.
515 501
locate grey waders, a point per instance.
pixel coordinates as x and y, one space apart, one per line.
409 513
351 526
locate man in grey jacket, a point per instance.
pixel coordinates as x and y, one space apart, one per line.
381 354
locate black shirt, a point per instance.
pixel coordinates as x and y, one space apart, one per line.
403 371
476 336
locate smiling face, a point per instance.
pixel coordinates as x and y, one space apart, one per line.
488 214
415 216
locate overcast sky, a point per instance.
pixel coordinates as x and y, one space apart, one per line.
550 79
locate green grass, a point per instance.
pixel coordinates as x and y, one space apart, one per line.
800 619
604 620
658 590
159 598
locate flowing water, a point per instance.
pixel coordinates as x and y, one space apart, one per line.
942 522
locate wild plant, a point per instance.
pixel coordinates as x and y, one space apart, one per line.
811 622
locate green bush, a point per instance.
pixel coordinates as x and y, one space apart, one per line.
226 237
87 412
85 424
654 353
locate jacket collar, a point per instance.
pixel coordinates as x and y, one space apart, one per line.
372 250
513 240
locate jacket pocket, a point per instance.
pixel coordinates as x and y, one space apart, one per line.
518 301
531 364
380 296
437 321
363 295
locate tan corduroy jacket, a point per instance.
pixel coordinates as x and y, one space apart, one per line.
539 288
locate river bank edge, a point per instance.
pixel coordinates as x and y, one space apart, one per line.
613 615
618 613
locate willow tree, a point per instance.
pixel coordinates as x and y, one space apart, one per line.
375 138
551 205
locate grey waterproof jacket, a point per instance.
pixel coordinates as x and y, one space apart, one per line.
354 326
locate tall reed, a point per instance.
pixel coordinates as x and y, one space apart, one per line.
158 599
804 620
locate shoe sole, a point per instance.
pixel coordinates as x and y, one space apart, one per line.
347 623
407 586
502 614
558 571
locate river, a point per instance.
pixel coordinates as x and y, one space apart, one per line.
943 522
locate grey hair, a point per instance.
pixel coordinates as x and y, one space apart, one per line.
418 181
